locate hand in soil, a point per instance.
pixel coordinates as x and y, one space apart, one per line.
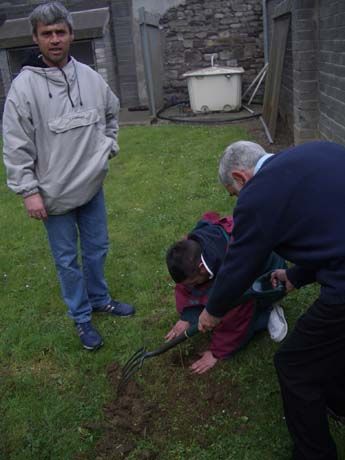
204 364
178 329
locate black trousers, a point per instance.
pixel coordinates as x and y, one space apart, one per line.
311 372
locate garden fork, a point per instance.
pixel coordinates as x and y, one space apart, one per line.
135 363
260 289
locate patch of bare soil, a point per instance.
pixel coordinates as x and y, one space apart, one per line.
172 403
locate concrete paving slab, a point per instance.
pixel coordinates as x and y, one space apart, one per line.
135 117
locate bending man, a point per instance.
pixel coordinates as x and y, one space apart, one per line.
292 203
193 264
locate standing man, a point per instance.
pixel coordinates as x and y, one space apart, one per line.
293 203
60 128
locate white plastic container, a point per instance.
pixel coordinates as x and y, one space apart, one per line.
215 89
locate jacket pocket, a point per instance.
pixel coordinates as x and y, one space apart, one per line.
74 120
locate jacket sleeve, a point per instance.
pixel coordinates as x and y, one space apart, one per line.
19 148
300 276
233 331
112 117
243 262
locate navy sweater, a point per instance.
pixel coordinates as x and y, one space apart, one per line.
295 206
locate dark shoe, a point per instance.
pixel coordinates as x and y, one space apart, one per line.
89 337
116 308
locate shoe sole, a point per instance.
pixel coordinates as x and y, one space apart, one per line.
93 348
113 314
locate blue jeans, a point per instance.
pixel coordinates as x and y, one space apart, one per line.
82 288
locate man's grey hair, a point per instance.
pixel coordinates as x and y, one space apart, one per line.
50 13
241 155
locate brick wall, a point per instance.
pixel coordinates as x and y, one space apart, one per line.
318 60
299 97
197 29
105 62
306 73
332 70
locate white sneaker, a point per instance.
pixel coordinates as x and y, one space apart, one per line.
277 325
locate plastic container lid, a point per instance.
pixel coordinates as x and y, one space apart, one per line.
215 70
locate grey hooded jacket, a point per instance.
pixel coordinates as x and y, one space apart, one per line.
60 128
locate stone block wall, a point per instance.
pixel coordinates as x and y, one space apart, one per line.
104 60
299 98
306 70
231 30
286 91
332 70
318 61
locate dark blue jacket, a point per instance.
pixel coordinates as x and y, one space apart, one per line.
295 206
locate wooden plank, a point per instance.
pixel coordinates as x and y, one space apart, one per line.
275 71
153 60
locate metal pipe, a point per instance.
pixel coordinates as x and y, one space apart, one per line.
254 81
257 86
268 134
248 109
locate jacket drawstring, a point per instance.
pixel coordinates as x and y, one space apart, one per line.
68 87
67 83
47 82
76 74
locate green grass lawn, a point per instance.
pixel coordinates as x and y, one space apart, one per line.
163 180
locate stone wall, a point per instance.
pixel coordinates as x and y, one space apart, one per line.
231 30
332 70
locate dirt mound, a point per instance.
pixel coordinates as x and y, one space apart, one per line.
173 400
126 419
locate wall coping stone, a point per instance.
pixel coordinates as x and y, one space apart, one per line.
87 24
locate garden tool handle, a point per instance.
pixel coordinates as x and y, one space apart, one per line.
262 289
192 330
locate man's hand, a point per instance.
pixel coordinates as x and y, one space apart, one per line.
280 275
204 364
178 329
35 207
207 321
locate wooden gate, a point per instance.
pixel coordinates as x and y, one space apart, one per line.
126 69
153 59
